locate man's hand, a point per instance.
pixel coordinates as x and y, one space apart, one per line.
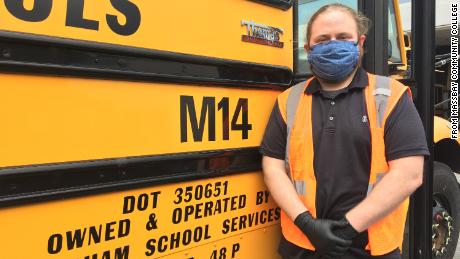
346 232
320 233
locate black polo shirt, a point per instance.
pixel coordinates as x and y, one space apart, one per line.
342 142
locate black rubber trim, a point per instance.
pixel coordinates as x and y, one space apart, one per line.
281 4
36 183
298 75
28 53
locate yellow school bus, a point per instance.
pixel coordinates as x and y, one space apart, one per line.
130 129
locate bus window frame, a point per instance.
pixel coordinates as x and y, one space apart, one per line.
423 47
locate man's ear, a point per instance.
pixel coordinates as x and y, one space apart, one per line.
361 41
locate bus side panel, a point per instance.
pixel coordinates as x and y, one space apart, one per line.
131 128
199 27
231 215
57 119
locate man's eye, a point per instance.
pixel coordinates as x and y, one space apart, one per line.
321 41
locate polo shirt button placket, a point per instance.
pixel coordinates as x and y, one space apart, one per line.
330 126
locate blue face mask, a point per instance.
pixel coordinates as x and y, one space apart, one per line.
334 60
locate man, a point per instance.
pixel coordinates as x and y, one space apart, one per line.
343 151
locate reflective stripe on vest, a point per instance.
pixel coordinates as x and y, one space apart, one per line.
381 92
291 107
381 96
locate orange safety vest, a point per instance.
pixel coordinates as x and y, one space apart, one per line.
381 95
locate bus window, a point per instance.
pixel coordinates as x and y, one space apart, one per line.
394 50
306 9
399 15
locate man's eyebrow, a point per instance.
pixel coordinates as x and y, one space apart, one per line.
344 34
322 36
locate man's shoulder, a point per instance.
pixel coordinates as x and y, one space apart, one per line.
397 88
283 97
391 79
300 86
281 102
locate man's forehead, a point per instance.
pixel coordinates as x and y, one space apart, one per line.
334 13
334 20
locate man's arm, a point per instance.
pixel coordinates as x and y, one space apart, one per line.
404 177
281 188
405 148
273 149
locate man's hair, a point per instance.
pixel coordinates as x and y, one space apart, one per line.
362 22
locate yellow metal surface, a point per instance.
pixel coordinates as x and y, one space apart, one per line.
201 27
58 119
442 129
231 215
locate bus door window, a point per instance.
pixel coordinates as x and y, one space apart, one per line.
397 61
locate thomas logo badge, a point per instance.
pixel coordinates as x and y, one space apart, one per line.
262 34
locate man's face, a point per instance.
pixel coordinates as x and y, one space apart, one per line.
334 25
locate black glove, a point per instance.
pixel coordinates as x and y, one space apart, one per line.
320 233
346 232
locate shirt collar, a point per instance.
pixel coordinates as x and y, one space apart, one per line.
360 81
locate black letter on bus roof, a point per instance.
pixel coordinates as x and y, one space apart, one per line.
39 12
132 14
75 16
